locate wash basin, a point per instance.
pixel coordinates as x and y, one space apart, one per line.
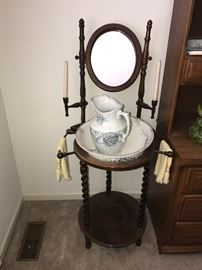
140 138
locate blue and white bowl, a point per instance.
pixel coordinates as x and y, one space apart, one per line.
140 138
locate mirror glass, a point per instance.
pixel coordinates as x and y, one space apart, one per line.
113 57
113 65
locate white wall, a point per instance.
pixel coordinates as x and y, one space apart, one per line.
38 37
10 191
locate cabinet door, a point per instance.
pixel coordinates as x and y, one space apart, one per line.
190 208
192 70
193 181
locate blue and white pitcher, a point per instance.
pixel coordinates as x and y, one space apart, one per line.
111 126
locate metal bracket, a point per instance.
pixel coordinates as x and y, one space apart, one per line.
166 153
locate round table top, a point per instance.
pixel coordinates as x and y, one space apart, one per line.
132 164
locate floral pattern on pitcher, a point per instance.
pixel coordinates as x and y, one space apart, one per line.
100 119
108 139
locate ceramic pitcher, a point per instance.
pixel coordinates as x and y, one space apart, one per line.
111 126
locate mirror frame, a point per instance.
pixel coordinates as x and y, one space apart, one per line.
137 47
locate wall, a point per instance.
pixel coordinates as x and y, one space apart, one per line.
10 190
38 37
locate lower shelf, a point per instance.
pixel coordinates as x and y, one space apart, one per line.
113 220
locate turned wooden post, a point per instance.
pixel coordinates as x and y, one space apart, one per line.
108 182
86 206
145 59
143 196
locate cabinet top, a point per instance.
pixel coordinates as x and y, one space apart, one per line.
188 151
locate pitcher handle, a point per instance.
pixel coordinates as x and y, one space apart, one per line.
127 117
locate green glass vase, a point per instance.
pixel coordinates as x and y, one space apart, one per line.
195 131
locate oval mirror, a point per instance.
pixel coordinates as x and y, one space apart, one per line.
113 57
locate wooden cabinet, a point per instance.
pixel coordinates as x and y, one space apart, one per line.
176 208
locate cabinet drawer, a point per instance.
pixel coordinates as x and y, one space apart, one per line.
191 208
187 233
192 70
193 181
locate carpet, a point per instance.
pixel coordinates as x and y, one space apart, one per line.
63 246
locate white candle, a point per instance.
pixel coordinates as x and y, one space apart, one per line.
65 83
156 84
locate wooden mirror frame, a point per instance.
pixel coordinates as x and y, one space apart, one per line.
137 48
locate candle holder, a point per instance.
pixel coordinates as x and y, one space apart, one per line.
154 104
80 104
66 101
142 105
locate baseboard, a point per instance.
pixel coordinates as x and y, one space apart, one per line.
10 229
55 197
52 197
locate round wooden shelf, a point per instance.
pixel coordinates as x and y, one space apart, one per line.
113 220
112 166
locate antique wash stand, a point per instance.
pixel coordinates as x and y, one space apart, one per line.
110 218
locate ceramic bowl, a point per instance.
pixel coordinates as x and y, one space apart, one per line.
140 138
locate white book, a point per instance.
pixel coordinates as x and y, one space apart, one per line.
194 52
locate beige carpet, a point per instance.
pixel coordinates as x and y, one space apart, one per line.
63 246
